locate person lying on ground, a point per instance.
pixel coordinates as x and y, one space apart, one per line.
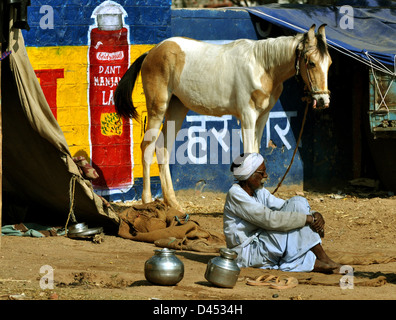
268 232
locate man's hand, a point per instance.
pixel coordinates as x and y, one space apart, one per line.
318 224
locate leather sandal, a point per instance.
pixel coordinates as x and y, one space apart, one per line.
263 280
287 283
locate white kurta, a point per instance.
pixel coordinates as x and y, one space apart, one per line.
268 232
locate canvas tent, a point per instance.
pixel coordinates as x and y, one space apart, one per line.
38 170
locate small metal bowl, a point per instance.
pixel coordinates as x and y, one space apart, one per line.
78 228
88 233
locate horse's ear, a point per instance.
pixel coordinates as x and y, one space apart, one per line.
321 32
311 32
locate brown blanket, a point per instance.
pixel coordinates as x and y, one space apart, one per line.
362 258
164 226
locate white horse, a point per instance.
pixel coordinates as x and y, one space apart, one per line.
243 78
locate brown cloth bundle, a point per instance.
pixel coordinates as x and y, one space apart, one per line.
167 227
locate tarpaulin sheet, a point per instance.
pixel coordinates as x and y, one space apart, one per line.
371 30
37 164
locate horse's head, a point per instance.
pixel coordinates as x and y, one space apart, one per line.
314 61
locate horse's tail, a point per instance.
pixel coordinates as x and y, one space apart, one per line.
123 93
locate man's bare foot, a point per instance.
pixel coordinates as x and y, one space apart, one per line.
323 267
327 267
337 267
323 263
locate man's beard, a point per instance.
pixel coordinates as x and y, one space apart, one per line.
262 183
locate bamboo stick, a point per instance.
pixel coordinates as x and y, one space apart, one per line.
1 154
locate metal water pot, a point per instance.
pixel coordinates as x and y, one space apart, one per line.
223 271
164 268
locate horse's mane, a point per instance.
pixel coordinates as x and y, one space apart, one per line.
273 52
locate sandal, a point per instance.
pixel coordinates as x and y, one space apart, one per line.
263 280
287 283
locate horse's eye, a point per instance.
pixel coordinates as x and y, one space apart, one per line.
311 64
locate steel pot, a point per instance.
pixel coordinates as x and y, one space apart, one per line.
78 227
164 268
223 271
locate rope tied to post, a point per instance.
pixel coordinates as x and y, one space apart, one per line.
72 189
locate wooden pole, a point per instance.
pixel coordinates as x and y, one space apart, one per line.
1 152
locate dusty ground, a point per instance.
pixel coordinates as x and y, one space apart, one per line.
114 269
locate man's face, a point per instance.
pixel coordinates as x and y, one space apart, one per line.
258 178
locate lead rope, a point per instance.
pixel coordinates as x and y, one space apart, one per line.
295 150
72 189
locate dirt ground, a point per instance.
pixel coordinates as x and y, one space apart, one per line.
359 222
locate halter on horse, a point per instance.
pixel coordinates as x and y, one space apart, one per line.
243 78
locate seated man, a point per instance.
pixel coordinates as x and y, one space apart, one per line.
268 232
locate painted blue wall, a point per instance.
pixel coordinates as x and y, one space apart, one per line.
213 24
149 21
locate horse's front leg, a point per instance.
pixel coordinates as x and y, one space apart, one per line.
248 126
260 125
264 106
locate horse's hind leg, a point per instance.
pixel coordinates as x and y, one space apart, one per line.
173 121
147 147
160 71
156 109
